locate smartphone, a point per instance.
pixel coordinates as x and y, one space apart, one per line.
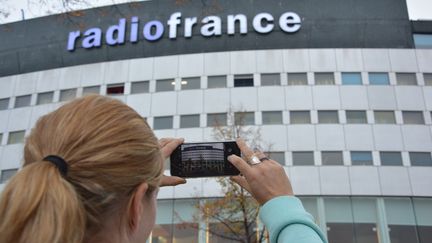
204 159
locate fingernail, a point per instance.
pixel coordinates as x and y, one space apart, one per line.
230 157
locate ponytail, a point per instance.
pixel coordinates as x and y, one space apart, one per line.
38 205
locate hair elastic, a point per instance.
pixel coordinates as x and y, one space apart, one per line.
59 162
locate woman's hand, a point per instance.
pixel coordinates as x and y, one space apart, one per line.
265 180
168 145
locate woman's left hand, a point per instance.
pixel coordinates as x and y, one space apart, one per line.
168 145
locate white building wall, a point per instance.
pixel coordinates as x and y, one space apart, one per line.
307 180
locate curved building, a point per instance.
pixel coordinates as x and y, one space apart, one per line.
342 90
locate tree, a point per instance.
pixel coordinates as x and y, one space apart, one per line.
234 217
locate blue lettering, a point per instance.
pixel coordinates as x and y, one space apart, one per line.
158 30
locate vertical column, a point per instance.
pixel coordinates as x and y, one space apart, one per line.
382 230
321 215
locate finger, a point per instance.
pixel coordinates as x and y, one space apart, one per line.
168 148
240 164
247 152
171 181
164 141
242 182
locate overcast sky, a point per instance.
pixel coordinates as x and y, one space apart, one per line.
418 9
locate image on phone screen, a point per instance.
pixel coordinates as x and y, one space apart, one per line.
204 159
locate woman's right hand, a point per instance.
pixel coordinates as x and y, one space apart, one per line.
263 181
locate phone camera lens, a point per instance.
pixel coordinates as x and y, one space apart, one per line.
229 150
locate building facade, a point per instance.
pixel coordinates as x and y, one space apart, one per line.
342 90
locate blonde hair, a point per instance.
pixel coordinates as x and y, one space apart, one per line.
110 150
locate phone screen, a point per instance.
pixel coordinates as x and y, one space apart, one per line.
204 159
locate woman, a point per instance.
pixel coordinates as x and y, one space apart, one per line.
91 173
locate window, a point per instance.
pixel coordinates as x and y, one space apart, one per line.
165 85
190 83
139 87
300 117
328 117
361 158
351 79
401 220
91 90
4 104
243 80
420 158
22 101
7 174
16 137
277 156
45 98
406 79
384 117
427 79
422 40
115 89
163 122
187 121
244 118
423 213
216 82
356 117
67 94
324 79
297 79
272 117
216 119
379 79
391 158
303 158
332 158
270 79
413 117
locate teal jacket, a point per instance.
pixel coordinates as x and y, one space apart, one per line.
287 221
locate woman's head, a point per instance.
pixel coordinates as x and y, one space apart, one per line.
114 164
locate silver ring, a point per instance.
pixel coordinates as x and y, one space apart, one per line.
254 160
264 158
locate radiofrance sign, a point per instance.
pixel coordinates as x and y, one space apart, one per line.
151 31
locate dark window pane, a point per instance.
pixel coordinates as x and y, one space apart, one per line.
243 80
216 119
272 117
403 233
328 117
300 117
277 156
324 79
361 158
391 158
163 122
356 117
332 158
190 83
115 89
91 90
427 79
216 82
351 79
7 174
425 234
244 118
366 233
420 158
187 121
423 213
67 94
413 117
165 85
4 104
297 79
269 79
406 78
45 98
303 158
22 101
379 79
140 87
340 232
384 117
